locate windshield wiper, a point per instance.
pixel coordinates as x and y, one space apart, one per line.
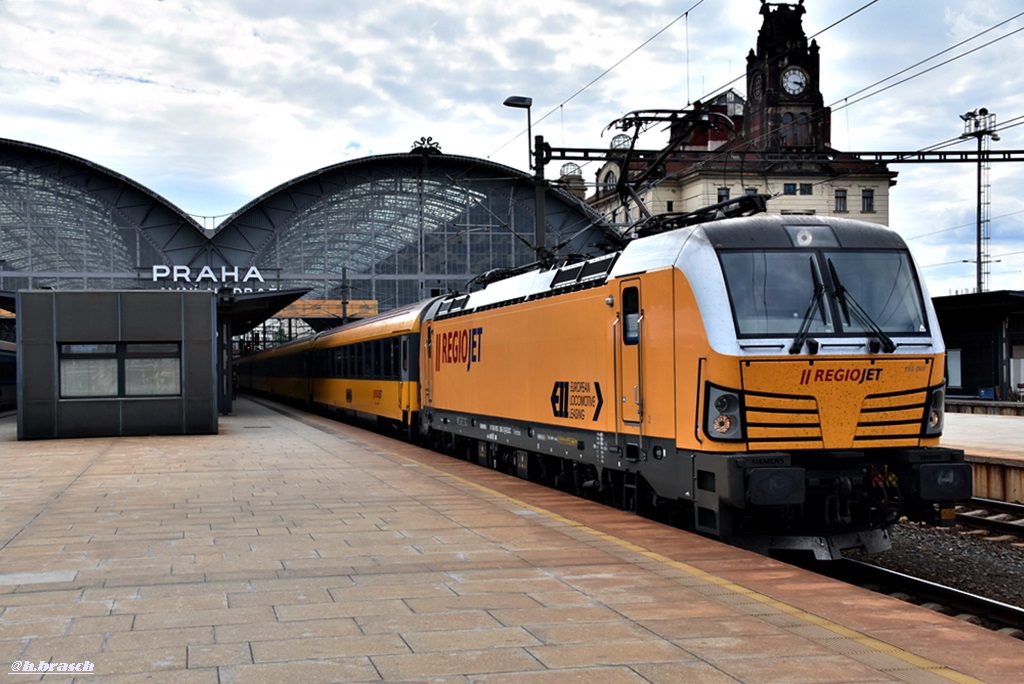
847 303
805 325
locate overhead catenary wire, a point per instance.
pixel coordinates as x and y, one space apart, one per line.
607 71
837 22
865 93
847 103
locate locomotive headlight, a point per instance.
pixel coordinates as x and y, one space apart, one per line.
722 424
811 236
935 417
722 414
727 403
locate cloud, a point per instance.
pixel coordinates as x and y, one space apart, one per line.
212 103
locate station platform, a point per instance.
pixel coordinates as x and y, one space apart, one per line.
293 548
994 446
993 436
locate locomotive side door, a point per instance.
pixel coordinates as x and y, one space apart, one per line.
629 350
426 366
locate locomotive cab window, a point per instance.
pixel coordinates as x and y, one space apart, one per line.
884 286
777 292
772 291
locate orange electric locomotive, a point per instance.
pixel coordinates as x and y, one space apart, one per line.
774 381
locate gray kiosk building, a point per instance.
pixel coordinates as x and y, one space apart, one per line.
116 363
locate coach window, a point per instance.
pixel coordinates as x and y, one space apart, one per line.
631 313
152 370
88 370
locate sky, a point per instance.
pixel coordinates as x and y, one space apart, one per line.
212 103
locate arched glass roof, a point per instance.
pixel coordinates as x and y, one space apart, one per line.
395 228
67 223
391 228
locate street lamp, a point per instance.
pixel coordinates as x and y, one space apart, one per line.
521 102
539 209
980 124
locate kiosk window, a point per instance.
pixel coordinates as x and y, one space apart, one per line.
88 370
120 370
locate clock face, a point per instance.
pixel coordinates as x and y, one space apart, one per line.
794 80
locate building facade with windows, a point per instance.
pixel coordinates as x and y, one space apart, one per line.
775 142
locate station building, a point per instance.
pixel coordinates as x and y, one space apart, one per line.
351 239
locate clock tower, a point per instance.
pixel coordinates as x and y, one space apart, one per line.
785 111
774 143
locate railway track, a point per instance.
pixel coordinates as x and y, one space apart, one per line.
997 517
976 609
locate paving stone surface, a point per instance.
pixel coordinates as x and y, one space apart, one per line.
290 548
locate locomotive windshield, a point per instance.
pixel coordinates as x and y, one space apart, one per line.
823 292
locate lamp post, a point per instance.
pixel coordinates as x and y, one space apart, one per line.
537 166
980 124
521 102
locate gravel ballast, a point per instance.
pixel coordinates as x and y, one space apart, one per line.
956 558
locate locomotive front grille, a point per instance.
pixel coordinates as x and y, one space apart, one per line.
892 419
775 421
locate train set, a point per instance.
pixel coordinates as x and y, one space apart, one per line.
776 382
